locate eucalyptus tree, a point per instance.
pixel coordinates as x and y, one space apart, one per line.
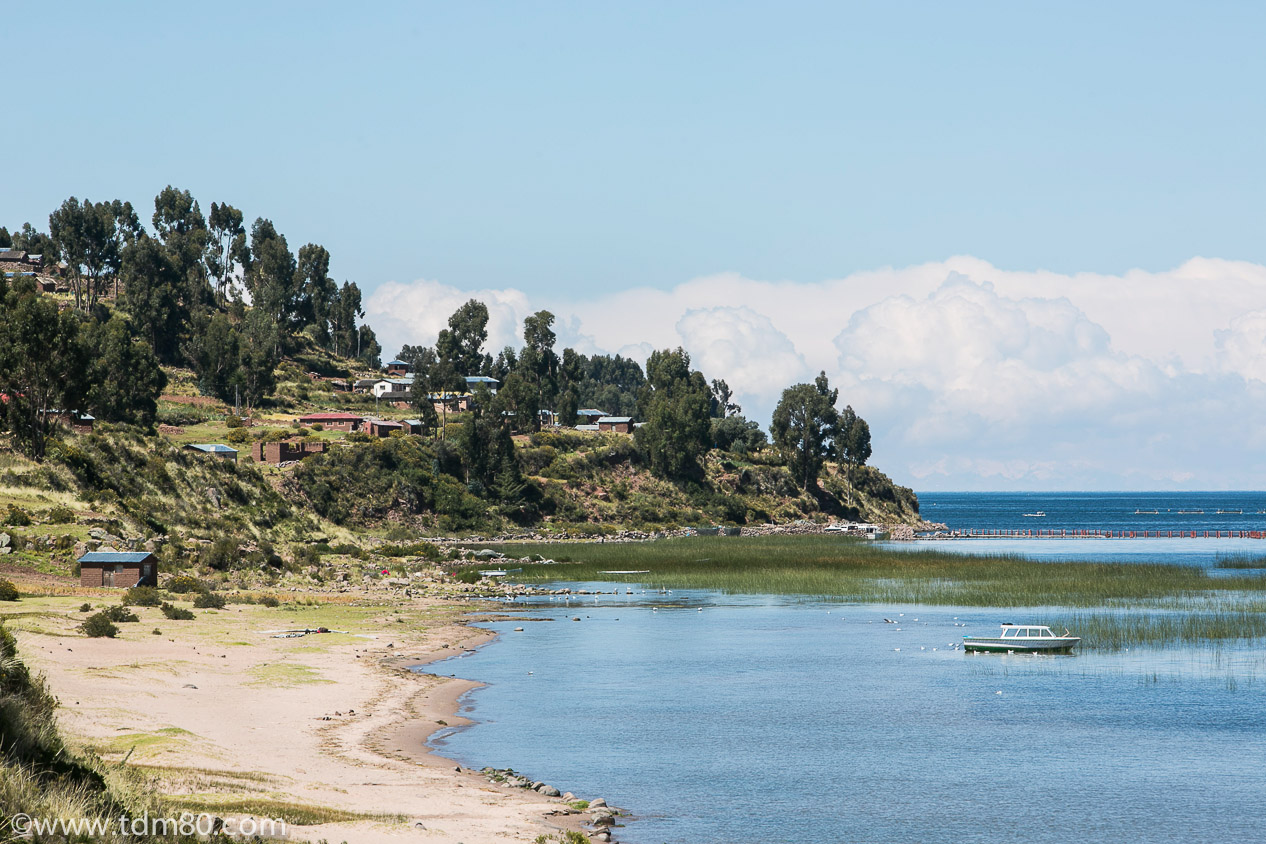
463 341
674 405
804 427
226 252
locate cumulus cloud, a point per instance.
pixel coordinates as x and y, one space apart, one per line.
742 347
971 376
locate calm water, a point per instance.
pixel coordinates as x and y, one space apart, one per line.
762 719
1115 511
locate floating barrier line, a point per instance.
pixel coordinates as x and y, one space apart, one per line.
1095 533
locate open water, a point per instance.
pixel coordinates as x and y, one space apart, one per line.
724 719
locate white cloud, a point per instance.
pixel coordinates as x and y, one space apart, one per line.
971 376
742 347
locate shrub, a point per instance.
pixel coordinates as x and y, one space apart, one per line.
17 517
177 613
209 601
85 607
467 576
119 613
238 435
232 421
269 601
317 426
60 515
8 592
221 554
142 596
306 555
99 625
183 583
156 632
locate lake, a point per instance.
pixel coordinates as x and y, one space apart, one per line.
718 719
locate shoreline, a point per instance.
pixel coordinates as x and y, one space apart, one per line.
225 717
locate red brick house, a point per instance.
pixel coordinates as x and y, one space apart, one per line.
381 427
333 421
118 568
286 451
616 424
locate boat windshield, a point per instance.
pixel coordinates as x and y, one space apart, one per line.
1046 633
1010 631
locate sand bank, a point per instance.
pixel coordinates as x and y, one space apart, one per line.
221 713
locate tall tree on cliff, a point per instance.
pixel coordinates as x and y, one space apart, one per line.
227 253
804 428
180 226
42 365
463 341
674 406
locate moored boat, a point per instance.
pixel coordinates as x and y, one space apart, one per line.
1024 638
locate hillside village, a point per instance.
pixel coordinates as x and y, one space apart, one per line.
207 395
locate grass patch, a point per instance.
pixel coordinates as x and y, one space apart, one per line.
1120 631
1240 561
849 569
285 674
300 814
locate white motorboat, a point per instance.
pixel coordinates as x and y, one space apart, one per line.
1022 638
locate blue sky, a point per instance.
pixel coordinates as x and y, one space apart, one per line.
561 155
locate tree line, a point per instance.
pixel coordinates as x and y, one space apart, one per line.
200 291
682 414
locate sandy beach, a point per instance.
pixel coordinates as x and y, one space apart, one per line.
226 717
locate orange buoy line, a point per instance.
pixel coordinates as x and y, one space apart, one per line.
1096 533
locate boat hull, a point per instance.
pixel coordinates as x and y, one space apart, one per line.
988 644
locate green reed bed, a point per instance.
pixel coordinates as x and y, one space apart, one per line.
1118 631
855 570
1240 561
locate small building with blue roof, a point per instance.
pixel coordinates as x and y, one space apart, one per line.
118 568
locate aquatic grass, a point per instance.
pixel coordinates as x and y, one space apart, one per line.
856 570
1240 561
1119 631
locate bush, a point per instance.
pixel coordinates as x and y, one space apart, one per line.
232 421
238 435
317 426
119 613
60 515
177 613
221 554
8 592
209 601
269 601
17 517
85 607
306 555
142 596
183 583
99 625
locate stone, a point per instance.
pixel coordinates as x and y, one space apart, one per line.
5 539
597 803
603 820
568 796
549 791
97 533
5 550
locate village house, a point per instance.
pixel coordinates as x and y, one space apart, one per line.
450 402
616 424
473 381
80 423
413 426
382 427
286 451
589 416
392 385
118 568
220 450
333 421
364 385
397 368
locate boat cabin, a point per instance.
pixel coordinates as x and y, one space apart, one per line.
1012 632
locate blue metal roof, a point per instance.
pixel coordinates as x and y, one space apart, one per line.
615 419
216 448
397 363
115 557
481 379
